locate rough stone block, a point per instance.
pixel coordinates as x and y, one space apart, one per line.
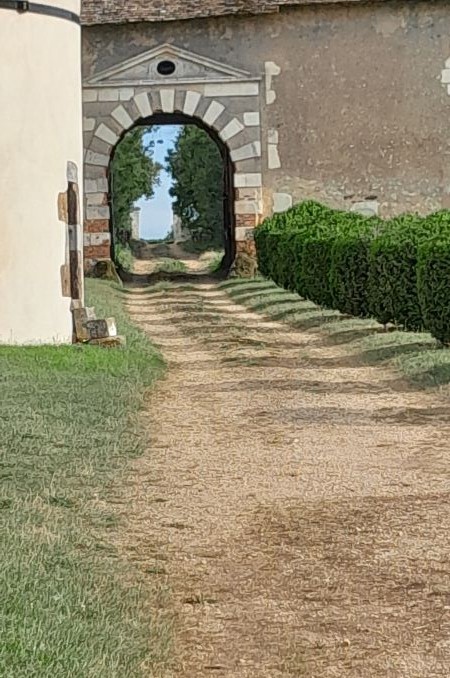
281 202
191 102
248 194
232 89
65 281
247 246
244 233
100 159
248 207
446 76
121 115
245 265
274 161
167 100
88 124
90 95
101 329
106 134
108 94
272 136
252 150
97 145
96 199
231 129
94 171
98 212
369 208
105 270
248 180
143 104
63 208
252 119
214 111
72 172
100 238
272 70
81 316
99 185
126 93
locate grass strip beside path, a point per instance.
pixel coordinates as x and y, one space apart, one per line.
69 606
417 355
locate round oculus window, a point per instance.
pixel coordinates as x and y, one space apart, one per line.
166 67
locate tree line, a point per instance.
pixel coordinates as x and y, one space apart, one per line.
196 167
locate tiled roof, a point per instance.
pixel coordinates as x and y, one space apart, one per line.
126 11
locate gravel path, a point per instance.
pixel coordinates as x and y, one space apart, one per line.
297 504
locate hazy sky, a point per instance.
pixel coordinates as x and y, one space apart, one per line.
156 214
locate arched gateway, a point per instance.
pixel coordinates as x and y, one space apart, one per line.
168 84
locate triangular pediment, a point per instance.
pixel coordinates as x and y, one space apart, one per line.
189 67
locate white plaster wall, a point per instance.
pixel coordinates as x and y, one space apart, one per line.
40 131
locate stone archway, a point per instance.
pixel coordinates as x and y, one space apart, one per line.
220 98
228 190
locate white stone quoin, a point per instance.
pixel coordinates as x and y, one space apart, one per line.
41 132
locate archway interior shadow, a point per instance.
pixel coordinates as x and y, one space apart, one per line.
228 198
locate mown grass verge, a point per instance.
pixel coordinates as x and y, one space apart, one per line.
70 606
417 355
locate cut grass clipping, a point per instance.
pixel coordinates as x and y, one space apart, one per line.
69 606
416 355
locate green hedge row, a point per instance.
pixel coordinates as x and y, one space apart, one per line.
396 271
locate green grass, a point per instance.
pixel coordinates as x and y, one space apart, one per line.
169 265
416 355
124 257
198 247
216 262
69 605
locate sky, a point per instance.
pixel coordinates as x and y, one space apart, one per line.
157 214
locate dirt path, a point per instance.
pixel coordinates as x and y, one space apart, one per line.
152 255
299 505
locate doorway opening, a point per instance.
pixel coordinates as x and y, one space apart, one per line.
172 199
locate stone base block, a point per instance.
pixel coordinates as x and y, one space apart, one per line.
105 270
101 329
81 316
246 247
244 266
109 342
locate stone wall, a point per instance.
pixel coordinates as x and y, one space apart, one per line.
343 104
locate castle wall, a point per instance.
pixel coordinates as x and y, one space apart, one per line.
353 111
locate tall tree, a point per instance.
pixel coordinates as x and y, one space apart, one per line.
134 175
196 166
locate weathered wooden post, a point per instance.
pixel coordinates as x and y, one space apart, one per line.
40 169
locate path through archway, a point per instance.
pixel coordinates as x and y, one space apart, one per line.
194 162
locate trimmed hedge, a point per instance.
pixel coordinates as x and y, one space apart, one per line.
434 286
397 271
350 268
393 273
315 251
